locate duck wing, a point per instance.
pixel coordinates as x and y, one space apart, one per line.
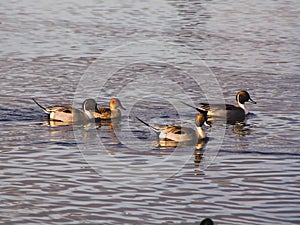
208 107
104 113
214 107
178 133
173 129
56 108
205 106
59 108
230 107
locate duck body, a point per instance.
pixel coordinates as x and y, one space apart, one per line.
107 113
69 114
229 112
66 114
177 134
180 134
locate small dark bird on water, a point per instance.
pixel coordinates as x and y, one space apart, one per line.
207 221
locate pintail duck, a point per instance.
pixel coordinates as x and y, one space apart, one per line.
232 113
178 133
69 114
112 112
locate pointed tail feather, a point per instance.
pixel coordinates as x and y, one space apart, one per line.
42 107
148 125
198 109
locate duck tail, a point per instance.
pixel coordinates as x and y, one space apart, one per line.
200 110
156 130
42 107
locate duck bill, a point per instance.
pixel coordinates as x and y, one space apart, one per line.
252 101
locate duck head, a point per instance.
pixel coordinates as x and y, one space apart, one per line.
88 106
115 103
244 96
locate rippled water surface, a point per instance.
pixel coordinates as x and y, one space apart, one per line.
150 55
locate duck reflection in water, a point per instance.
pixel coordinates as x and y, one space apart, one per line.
199 150
242 128
112 124
199 155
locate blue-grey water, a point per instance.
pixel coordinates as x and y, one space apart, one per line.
150 55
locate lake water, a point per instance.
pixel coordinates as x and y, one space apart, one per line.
151 55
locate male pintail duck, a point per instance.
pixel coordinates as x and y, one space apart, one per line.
207 221
112 112
179 133
69 114
231 112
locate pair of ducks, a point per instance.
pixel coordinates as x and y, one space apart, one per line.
207 112
90 111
